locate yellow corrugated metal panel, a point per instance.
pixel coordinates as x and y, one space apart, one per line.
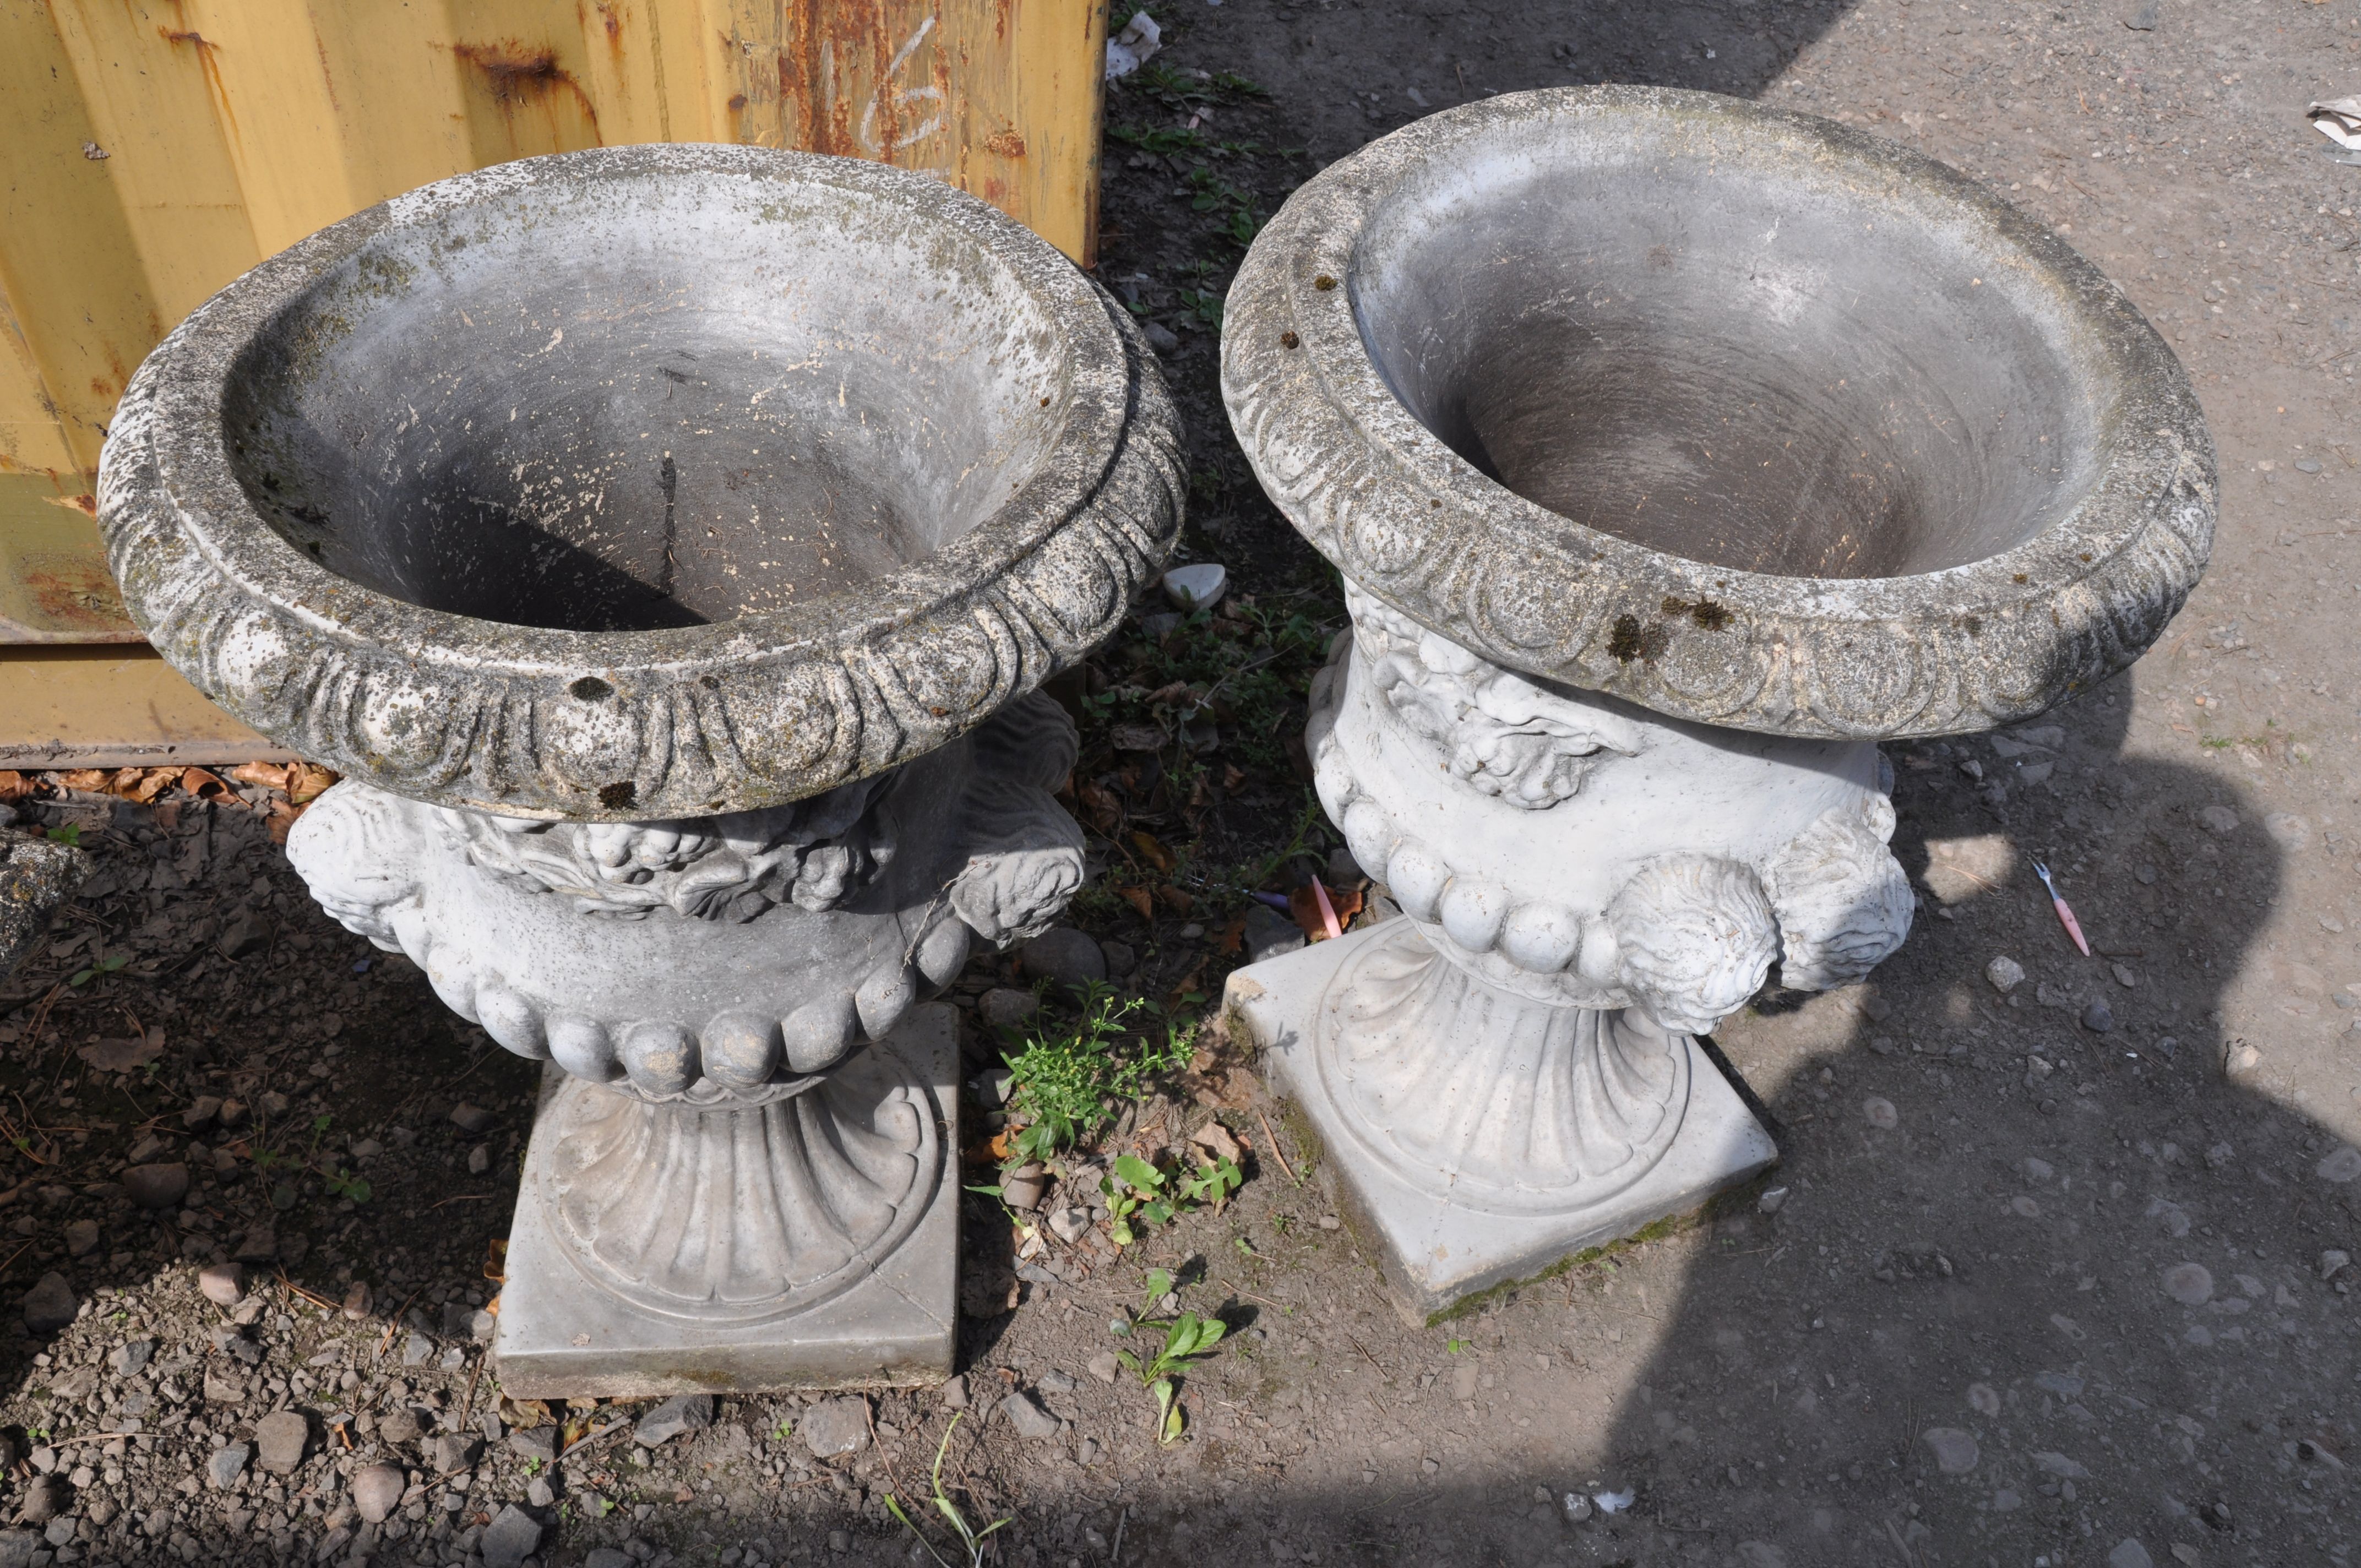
151 150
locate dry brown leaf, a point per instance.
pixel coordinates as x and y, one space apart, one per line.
1176 900
124 1055
1137 897
1151 849
92 781
15 786
205 784
307 781
270 776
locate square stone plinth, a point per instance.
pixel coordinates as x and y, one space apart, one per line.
1434 1255
561 1336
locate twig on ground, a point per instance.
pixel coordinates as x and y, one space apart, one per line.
1277 1153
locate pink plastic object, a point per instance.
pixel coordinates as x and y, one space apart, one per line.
2065 915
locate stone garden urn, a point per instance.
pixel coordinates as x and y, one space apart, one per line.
667 545
1674 451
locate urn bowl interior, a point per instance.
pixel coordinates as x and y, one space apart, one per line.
647 400
1747 360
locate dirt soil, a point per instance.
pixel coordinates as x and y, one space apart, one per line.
2044 1276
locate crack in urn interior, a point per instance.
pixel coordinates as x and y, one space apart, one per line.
1726 363
606 428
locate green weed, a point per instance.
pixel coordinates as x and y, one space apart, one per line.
971 1540
1068 1080
1185 1337
1140 1192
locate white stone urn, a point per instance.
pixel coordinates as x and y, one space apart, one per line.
667 542
1674 451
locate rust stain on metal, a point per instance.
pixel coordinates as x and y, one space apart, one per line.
75 594
1008 144
205 49
520 76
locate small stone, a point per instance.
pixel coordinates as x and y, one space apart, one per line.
834 1427
259 1244
682 1413
234 1114
2190 1284
539 1492
2241 1061
226 1463
357 1301
157 1185
479 1159
1772 1200
280 1440
1005 1007
1064 955
1198 586
1104 1366
45 1499
1160 338
837 1540
1879 1113
417 1350
2124 977
2342 1165
1984 1399
954 1392
49 1305
399 1425
2219 820
1120 960
131 1358
1028 1418
2129 1553
609 1557
2099 1018
1057 1382
1576 1506
81 1235
1023 1189
473 1119
1087 1452
1955 1450
2334 1261
1071 1224
223 1284
202 1113
448 1452
510 1539
1271 935
2006 974
1330 1222
2287 830
534 1444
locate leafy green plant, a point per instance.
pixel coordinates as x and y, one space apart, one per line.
1065 1080
343 1184
1185 1337
1140 1192
971 1540
99 967
70 835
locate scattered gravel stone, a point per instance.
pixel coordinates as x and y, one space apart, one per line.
2342 1165
2099 1018
834 1427
1071 1224
1064 955
280 1440
1984 1399
684 1413
1005 1007
510 1539
2219 820
45 1498
1120 960
377 1492
49 1305
1269 933
609 1557
1955 1450
226 1464
2124 977
399 1425
1027 1416
1774 1198
81 1235
1104 1366
954 1392
1577 1508
2129 1553
1880 1113
538 1443
157 1185
1024 1187
2190 1284
2006 974
472 1119
223 1284
2287 830
2334 1261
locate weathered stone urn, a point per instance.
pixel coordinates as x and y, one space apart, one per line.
1674 451
668 543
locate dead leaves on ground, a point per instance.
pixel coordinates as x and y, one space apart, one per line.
289 787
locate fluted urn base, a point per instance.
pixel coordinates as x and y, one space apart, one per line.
805 1240
1476 1136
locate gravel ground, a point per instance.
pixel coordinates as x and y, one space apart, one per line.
2047 1275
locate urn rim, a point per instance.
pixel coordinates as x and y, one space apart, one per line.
732 715
1966 647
